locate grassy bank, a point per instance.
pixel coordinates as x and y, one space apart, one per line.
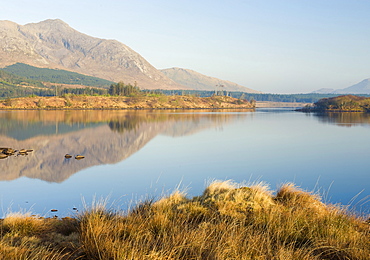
227 221
148 101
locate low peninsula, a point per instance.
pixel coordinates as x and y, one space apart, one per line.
147 101
344 103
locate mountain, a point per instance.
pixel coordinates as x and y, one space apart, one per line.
54 44
197 81
362 87
324 91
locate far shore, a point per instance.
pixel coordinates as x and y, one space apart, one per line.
72 102
123 102
271 104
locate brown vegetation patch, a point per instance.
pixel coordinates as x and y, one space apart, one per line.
228 221
344 103
121 102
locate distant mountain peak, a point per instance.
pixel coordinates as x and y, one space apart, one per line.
362 87
52 22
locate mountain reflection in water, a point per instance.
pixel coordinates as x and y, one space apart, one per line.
128 154
103 137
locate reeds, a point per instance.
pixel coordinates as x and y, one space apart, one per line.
228 221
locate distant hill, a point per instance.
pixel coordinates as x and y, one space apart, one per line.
56 76
9 79
54 44
324 91
15 86
198 81
362 87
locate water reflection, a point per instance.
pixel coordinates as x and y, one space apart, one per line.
103 137
346 119
275 146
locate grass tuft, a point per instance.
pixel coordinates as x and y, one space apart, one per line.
227 221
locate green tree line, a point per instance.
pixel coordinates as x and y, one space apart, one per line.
84 91
120 89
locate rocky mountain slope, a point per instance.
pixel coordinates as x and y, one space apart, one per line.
198 81
362 87
54 44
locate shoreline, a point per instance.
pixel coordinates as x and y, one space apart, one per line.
227 221
344 103
123 109
74 102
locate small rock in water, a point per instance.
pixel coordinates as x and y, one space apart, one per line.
6 152
9 151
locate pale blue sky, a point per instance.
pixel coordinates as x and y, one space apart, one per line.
276 46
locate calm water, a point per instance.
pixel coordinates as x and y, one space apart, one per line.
131 155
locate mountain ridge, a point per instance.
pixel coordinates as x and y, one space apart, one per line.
54 44
362 87
198 81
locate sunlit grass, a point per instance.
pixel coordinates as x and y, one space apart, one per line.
227 221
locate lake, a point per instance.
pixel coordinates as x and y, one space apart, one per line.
136 155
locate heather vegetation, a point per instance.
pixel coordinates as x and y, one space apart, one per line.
227 221
341 103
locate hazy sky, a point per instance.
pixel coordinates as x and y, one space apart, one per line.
275 46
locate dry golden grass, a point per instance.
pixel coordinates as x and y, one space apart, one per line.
228 221
114 102
23 236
